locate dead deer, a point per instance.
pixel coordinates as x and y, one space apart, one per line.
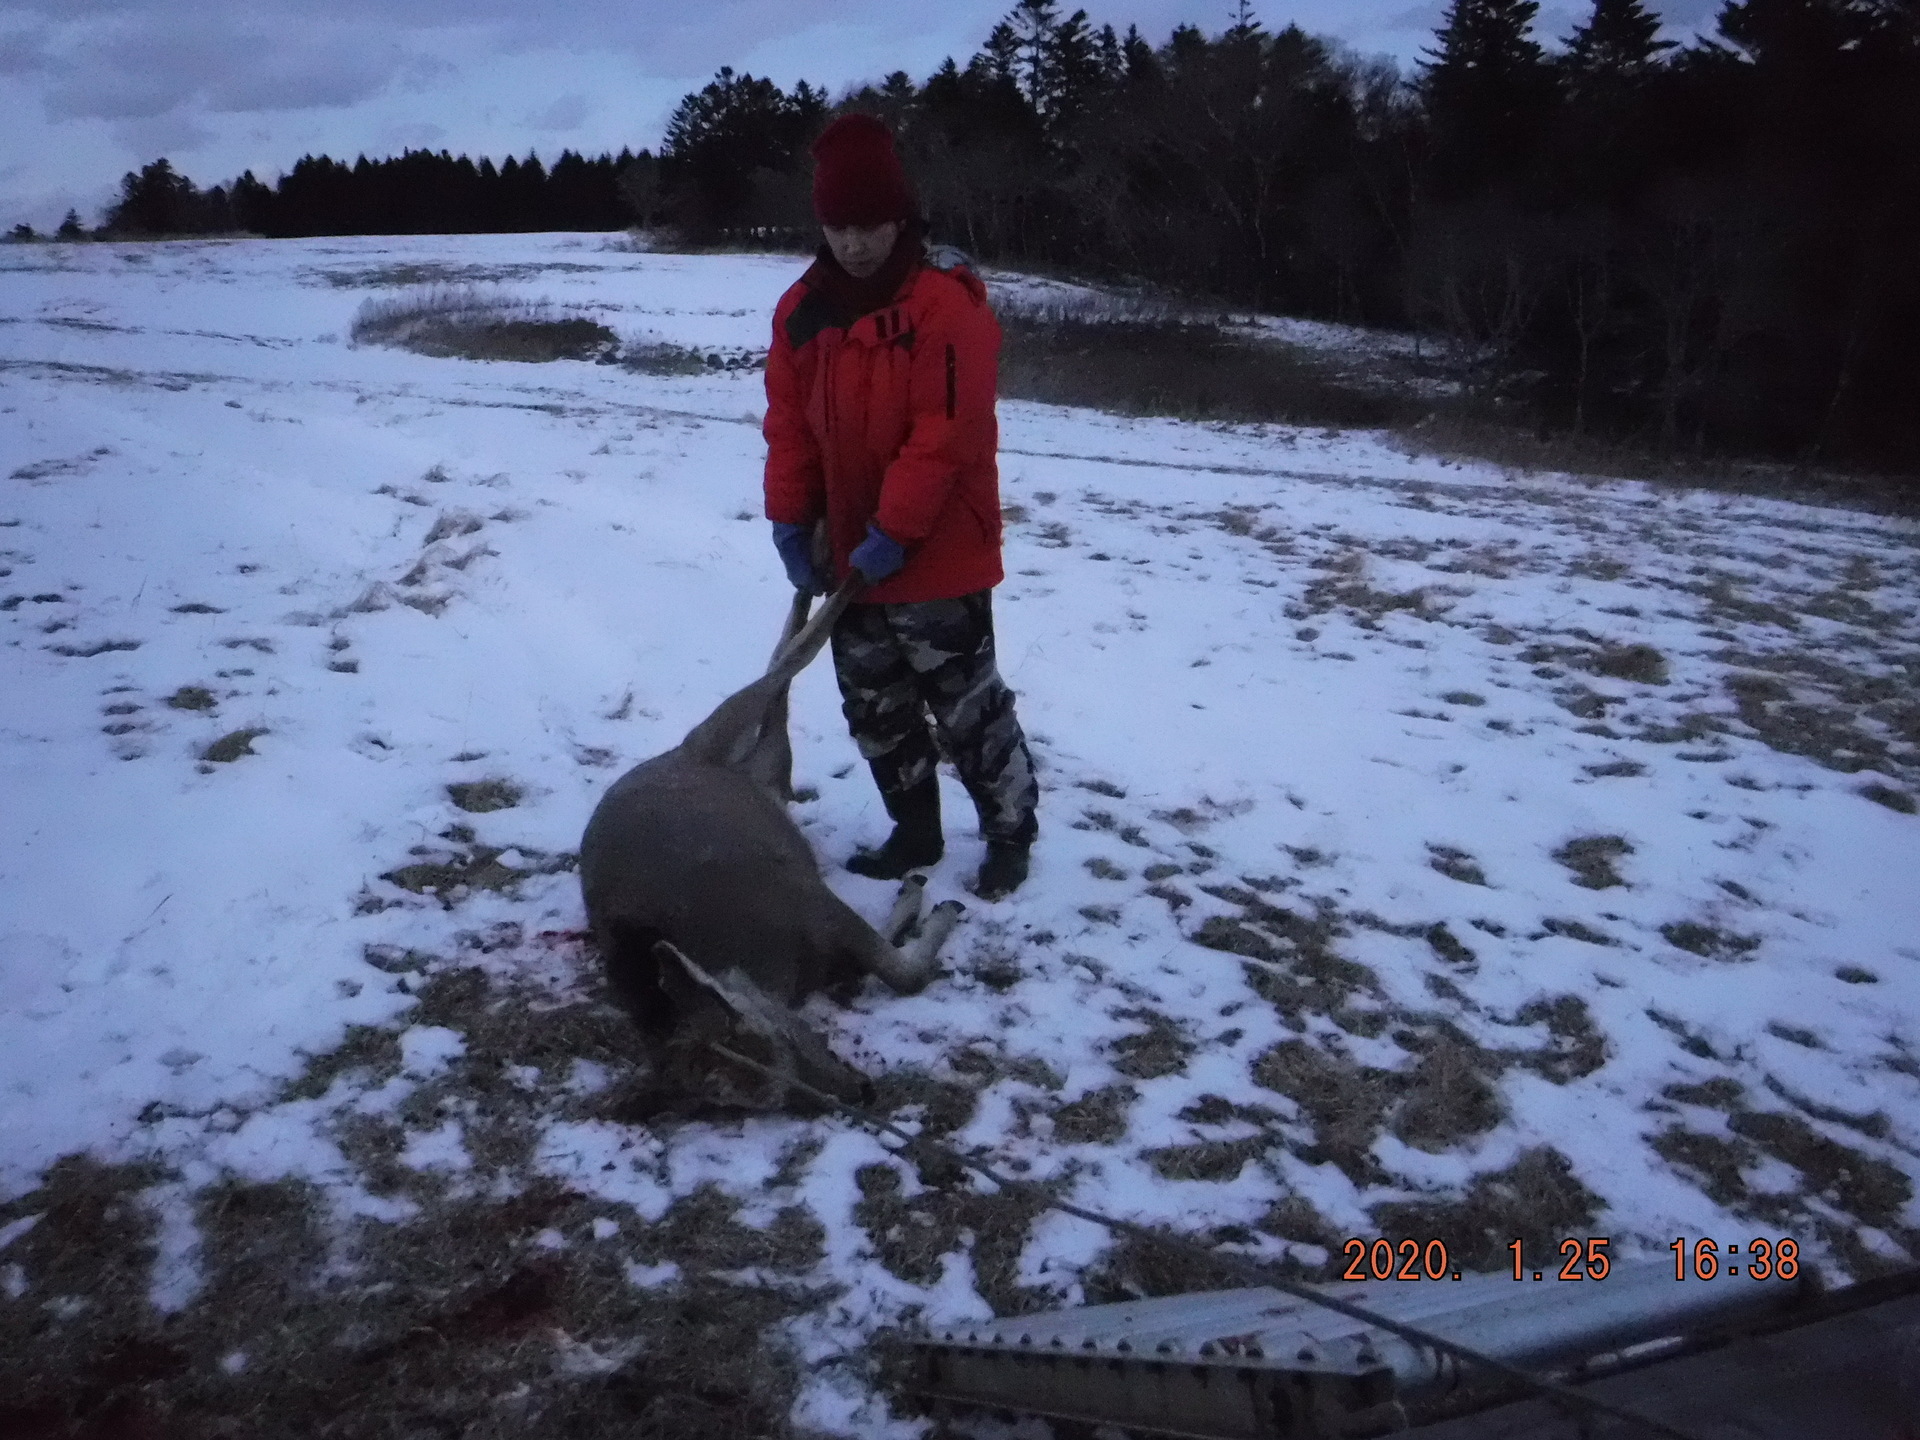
708 908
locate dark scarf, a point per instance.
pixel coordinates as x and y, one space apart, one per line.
863 297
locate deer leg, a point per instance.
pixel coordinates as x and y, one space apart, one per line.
923 955
796 622
906 910
909 969
904 970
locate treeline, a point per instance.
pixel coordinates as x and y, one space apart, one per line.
1707 246
418 193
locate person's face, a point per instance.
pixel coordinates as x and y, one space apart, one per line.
862 249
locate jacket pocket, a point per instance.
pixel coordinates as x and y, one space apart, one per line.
989 523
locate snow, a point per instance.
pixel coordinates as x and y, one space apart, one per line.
425 1050
1244 654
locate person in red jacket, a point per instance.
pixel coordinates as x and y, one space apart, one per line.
880 422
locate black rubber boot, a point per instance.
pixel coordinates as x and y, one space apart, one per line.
1004 872
916 840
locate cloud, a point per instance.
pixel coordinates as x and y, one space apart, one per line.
566 113
1689 14
1419 17
658 37
23 52
326 71
423 135
172 134
138 66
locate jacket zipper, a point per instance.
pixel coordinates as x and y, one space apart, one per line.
950 381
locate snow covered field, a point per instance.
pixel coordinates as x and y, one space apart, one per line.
1425 851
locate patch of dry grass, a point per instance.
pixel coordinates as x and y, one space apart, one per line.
1835 1179
1642 664
1874 1190
1446 1098
475 323
1136 1267
1591 859
1708 941
192 697
1345 1102
1537 1200
1456 864
1205 1159
1896 800
1826 733
1575 1046
1456 432
1714 1163
500 1305
1097 1118
1296 969
1147 362
912 1236
479 797
231 746
1161 1049
452 872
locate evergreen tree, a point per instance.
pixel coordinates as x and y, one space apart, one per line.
253 205
1073 70
1032 24
1142 66
1488 90
1482 40
22 232
639 186
999 57
807 111
71 228
1112 62
896 101
526 196
1618 42
1776 31
719 139
1186 44
155 201
1611 130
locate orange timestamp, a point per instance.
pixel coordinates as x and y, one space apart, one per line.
1383 1259
1769 1259
1582 1258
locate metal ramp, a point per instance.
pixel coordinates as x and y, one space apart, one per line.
1727 1357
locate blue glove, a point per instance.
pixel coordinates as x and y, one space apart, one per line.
877 556
795 544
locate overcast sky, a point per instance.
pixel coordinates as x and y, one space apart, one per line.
92 88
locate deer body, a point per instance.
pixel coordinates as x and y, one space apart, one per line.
704 857
706 900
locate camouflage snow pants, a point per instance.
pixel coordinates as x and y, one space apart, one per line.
898 665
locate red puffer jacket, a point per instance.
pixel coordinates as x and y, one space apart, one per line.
889 418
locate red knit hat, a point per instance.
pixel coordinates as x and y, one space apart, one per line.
857 178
